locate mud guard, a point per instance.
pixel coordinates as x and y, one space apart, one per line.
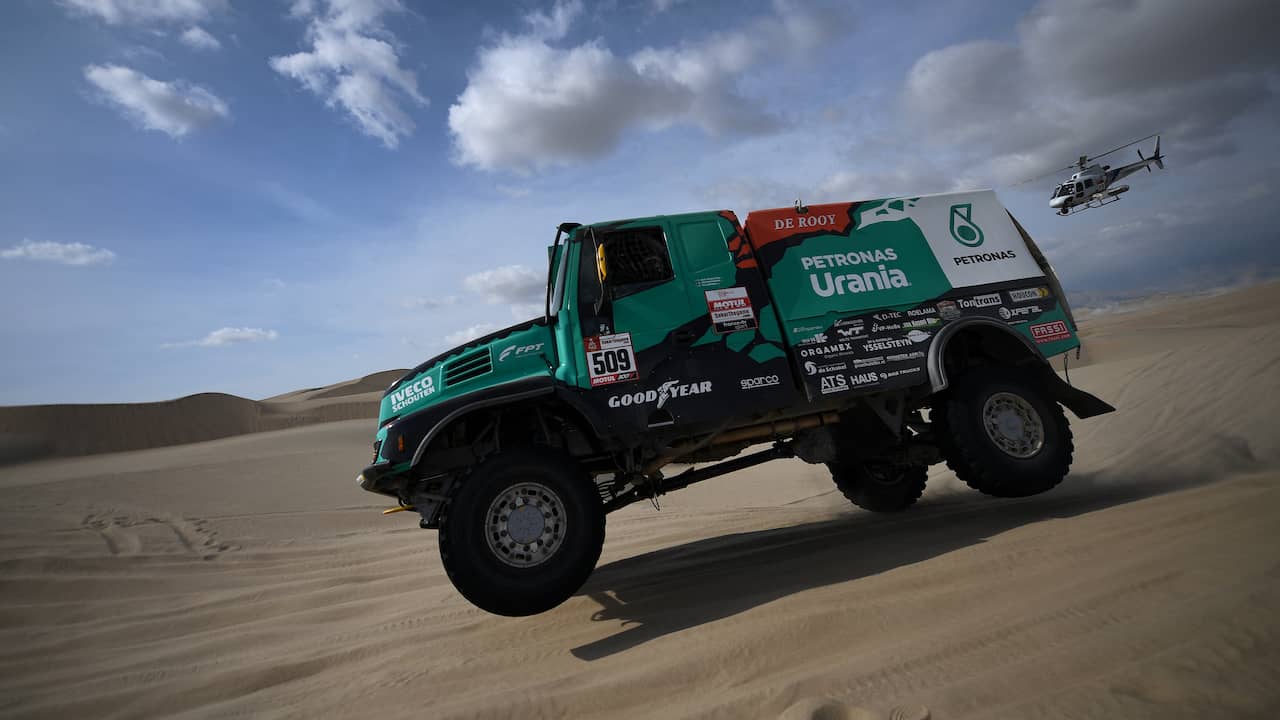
1080 403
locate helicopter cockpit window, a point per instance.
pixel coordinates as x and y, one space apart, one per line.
1088 183
633 260
1079 188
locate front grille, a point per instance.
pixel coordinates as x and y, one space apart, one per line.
469 366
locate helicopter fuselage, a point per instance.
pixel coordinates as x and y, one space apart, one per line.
1094 185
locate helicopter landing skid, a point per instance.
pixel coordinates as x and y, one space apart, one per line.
1094 202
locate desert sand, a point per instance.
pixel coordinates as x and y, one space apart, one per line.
249 577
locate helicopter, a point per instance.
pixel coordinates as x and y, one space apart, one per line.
1093 185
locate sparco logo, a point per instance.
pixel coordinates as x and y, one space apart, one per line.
981 301
518 350
412 393
759 382
665 391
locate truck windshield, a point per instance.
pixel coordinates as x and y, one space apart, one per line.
559 253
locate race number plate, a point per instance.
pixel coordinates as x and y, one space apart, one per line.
610 359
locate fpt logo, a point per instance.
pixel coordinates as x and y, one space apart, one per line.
963 229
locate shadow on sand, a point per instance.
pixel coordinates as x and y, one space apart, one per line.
680 587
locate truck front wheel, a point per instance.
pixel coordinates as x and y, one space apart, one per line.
522 533
880 487
1002 434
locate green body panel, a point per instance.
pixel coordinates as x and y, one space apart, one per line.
842 299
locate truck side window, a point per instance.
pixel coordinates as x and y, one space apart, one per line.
635 260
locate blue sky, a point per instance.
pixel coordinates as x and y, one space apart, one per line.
255 197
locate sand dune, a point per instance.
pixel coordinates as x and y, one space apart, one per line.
248 576
34 431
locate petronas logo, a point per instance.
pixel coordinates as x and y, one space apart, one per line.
963 228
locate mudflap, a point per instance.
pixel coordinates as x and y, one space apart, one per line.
1082 404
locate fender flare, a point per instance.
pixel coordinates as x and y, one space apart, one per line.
503 394
1079 402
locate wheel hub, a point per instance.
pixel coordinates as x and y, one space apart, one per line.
525 525
1013 425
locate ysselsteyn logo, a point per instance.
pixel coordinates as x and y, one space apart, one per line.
963 228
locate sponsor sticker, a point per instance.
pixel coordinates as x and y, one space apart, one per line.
412 393
1020 314
833 384
985 257
1028 294
948 310
866 378
813 368
1048 332
610 359
730 310
663 393
817 339
981 301
518 350
760 382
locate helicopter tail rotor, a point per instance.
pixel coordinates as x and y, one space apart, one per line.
1157 156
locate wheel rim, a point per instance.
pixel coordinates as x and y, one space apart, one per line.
525 525
1013 425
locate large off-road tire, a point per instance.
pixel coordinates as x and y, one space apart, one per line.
1002 434
522 533
880 487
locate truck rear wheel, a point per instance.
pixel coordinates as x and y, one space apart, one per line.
880 487
1002 434
522 533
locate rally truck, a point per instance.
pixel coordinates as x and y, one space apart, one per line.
877 338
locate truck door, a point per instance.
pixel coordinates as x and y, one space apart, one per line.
653 358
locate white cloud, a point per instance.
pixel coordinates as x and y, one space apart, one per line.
353 64
1084 77
61 253
554 25
118 12
228 336
507 285
529 104
471 333
175 107
198 38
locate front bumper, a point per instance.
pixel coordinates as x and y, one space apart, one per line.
374 479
